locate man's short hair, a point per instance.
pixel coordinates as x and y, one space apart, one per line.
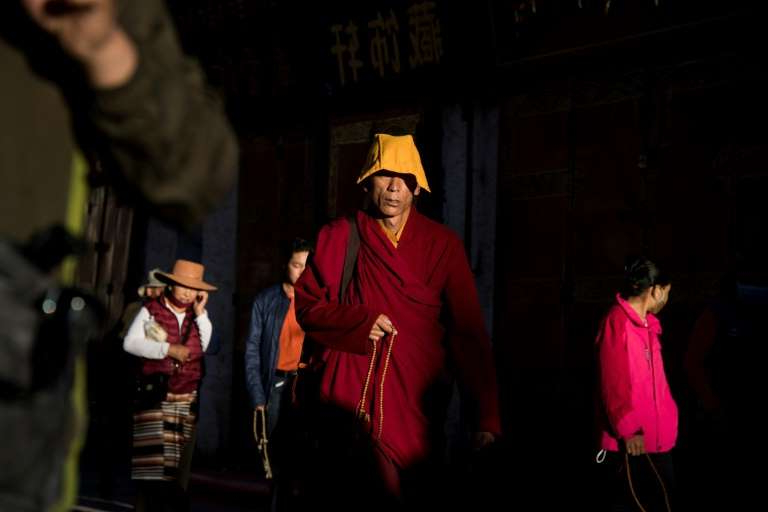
297 245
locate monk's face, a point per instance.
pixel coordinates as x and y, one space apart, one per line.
392 193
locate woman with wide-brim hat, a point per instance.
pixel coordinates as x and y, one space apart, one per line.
170 334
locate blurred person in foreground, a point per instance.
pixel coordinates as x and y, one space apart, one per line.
99 84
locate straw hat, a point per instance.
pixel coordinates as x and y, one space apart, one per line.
152 282
186 273
395 153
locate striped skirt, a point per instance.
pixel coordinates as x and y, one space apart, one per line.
160 436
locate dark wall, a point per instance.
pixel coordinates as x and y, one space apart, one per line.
637 129
664 160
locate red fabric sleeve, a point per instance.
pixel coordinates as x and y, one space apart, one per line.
338 326
469 342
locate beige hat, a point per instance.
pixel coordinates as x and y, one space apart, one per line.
186 273
152 282
395 153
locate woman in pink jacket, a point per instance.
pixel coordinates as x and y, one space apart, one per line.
638 416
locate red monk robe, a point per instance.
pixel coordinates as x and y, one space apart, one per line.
412 284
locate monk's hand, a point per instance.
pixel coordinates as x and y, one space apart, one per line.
635 445
381 327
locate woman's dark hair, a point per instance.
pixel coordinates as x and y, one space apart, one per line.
640 273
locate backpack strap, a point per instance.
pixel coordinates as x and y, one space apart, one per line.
350 257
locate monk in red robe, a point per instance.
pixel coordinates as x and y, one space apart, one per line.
407 322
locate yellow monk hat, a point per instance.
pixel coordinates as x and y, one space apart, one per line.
395 153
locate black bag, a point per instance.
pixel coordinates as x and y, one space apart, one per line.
150 391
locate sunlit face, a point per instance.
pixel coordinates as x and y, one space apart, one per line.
183 294
296 265
392 193
659 297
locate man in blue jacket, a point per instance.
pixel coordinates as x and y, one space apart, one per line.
274 343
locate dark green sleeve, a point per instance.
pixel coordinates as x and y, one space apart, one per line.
164 130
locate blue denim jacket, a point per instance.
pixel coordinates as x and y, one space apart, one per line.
262 345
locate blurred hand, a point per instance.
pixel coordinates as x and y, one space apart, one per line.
89 32
82 27
200 301
635 445
382 325
482 440
179 353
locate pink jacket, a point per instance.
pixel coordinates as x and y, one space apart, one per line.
635 396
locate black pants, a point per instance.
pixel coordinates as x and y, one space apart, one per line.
634 481
285 449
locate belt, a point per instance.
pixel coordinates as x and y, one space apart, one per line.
283 373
